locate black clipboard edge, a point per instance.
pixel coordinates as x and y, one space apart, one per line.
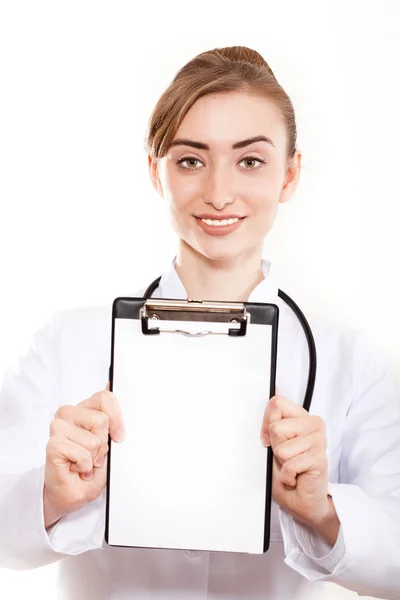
129 308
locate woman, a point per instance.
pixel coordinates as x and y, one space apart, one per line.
222 153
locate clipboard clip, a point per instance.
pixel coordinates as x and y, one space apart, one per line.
194 310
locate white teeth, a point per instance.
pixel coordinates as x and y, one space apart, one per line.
221 223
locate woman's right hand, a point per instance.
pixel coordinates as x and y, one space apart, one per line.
76 453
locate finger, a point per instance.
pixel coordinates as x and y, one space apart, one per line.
280 407
312 463
288 449
81 436
92 420
98 460
291 427
287 428
107 402
60 450
95 421
108 386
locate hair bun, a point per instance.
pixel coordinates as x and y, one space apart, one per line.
241 54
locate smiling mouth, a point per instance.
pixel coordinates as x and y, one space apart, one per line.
219 227
219 222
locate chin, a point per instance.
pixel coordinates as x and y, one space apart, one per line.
221 254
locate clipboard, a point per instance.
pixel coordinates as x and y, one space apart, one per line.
193 379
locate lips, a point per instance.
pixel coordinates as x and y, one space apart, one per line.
221 225
218 217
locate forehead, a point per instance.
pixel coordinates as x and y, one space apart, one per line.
225 118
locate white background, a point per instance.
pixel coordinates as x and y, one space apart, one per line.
81 222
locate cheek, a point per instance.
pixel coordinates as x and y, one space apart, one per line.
262 201
259 191
263 209
180 192
179 210
179 205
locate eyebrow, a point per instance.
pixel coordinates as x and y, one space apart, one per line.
202 146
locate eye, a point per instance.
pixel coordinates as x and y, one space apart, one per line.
253 158
192 160
187 158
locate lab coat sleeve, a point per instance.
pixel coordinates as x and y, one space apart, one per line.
366 555
29 398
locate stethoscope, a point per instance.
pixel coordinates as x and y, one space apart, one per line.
307 330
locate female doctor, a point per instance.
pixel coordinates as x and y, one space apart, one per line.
222 153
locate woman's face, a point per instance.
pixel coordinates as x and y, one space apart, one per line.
223 199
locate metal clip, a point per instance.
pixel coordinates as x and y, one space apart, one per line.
194 310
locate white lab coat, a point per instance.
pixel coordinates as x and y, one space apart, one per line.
356 395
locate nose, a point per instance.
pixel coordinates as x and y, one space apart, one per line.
217 192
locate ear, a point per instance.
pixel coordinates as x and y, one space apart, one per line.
291 179
154 175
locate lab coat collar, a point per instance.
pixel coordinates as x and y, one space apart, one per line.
171 285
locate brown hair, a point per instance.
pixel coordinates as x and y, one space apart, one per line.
230 69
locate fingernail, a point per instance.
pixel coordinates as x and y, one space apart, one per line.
119 435
87 475
99 462
265 439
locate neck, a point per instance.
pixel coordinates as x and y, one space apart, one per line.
224 280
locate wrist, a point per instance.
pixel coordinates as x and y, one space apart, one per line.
328 524
50 514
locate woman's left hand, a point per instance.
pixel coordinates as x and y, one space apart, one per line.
300 467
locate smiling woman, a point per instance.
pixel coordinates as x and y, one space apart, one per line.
221 145
222 152
227 107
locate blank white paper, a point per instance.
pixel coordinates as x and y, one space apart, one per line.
191 473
